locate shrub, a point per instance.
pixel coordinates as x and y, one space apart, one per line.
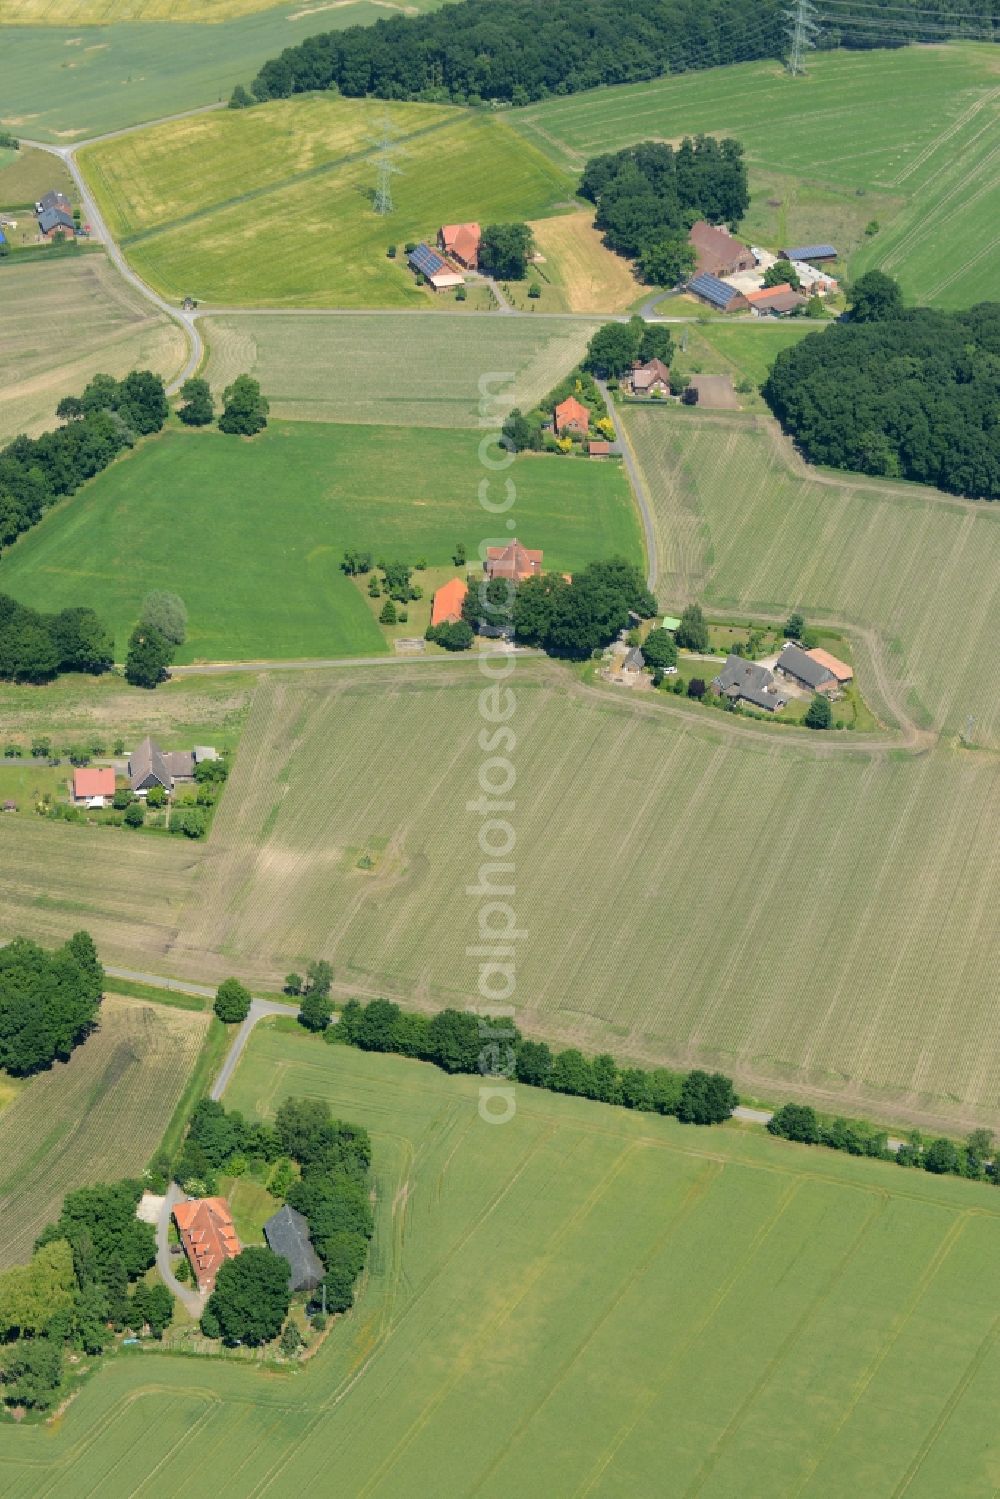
696 687
135 814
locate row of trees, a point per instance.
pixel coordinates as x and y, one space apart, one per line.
649 195
48 1001
909 394
75 1292
459 1041
108 417
515 51
569 619
244 409
35 647
976 1158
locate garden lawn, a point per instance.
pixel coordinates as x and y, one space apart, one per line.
906 137
251 533
637 1298
273 206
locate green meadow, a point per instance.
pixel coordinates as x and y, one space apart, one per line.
908 138
251 534
60 83
273 206
581 1302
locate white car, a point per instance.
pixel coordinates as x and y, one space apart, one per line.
670 671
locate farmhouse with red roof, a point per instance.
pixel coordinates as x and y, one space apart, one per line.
513 561
208 1235
447 606
571 415
89 784
461 242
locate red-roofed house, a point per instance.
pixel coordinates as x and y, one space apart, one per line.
208 1235
571 415
461 242
774 299
89 784
447 606
513 561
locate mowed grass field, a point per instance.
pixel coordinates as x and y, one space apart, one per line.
27 173
742 525
80 78
578 269
97 1117
912 136
583 1302
273 206
64 322
445 371
252 534
660 858
106 12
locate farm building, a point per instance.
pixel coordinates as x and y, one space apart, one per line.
150 766
745 681
599 447
513 561
93 785
287 1234
461 242
208 1235
840 669
717 293
9 806
650 377
717 252
775 301
429 263
634 662
802 667
571 416
53 221
808 252
448 601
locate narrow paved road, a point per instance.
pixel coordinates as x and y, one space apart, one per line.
258 1009
638 486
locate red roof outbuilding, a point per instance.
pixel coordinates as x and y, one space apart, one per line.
447 606
93 782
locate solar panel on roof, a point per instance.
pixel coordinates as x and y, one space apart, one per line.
712 289
426 260
810 252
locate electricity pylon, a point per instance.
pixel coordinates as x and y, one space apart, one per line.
802 30
386 167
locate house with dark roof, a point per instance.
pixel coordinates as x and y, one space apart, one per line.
717 252
513 561
746 681
287 1233
802 667
775 301
208 1236
150 766
718 294
53 221
54 199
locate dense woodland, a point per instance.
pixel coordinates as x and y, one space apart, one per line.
516 51
107 418
34 647
48 1001
906 394
649 195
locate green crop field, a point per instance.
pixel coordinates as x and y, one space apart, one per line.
742 525
395 368
272 206
252 534
73 81
907 137
64 322
572 1303
99 1116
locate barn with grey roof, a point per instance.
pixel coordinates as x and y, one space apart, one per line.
287 1233
803 668
748 682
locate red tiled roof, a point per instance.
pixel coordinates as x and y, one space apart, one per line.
448 601
598 447
461 240
771 294
93 783
513 561
208 1234
840 669
571 413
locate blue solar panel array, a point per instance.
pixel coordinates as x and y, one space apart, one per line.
810 252
426 260
712 289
